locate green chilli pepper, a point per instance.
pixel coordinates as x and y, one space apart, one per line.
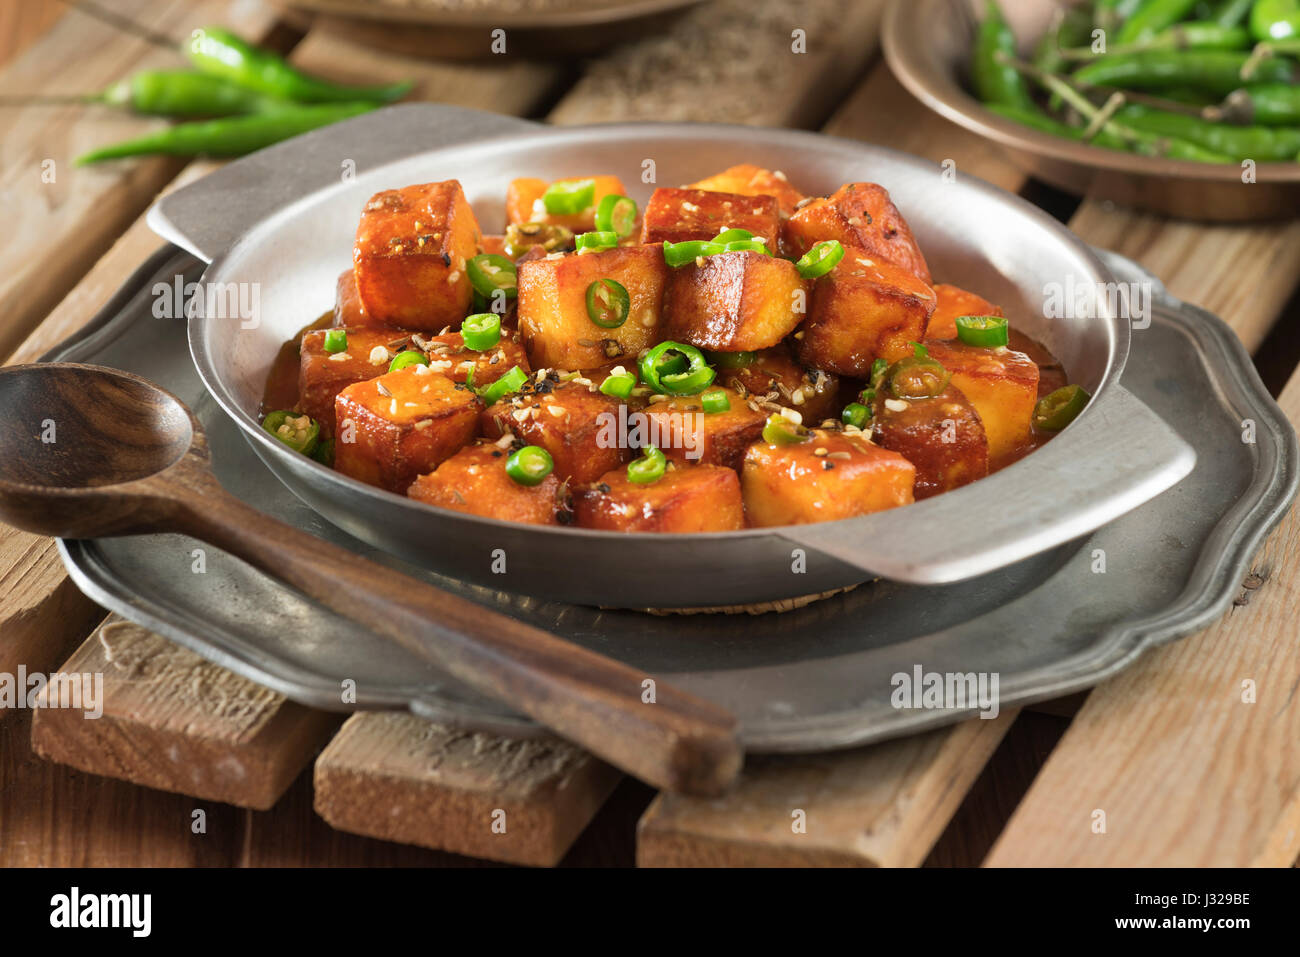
1268 104
408 358
185 93
681 254
650 467
821 259
1215 71
1071 27
674 368
299 432
619 385
988 332
336 340
1109 15
1231 13
324 453
1038 120
855 414
715 401
596 241
530 465
747 246
218 52
1275 19
917 377
568 196
481 331
521 237
1260 143
1058 409
230 137
782 431
1151 17
489 274
608 303
512 381
995 81
616 214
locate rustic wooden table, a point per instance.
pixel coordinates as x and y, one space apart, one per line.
1185 770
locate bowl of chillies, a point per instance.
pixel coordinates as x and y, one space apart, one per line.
1188 108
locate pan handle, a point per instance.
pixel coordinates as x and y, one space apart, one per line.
1117 455
208 216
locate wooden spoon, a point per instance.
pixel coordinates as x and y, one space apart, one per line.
87 451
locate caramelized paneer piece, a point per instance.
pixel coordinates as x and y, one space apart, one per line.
677 215
524 202
750 180
830 475
402 424
348 311
951 302
775 375
734 302
555 325
859 215
686 433
863 310
689 498
942 436
449 356
474 480
410 256
578 425
1001 384
322 375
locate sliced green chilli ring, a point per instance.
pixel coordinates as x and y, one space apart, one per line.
512 381
747 246
489 273
731 360
988 332
529 465
917 377
878 369
608 303
855 414
656 364
408 358
616 214
619 386
1058 409
569 196
299 432
683 254
821 259
336 340
782 431
481 331
733 235
714 401
650 467
596 241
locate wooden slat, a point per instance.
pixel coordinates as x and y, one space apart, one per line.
174 721
56 230
881 806
733 61
1186 772
401 778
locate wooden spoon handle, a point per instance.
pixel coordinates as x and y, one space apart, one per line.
669 739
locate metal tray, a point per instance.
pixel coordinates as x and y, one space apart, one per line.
816 678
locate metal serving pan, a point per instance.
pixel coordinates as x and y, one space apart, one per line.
927 44
280 223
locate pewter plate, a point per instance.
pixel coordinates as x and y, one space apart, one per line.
817 678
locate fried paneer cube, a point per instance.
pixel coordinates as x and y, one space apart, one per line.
951 302
747 179
689 435
830 475
474 480
859 215
449 355
734 302
578 425
348 311
524 202
774 374
678 215
323 375
555 327
402 424
1001 384
863 310
410 254
688 498
942 436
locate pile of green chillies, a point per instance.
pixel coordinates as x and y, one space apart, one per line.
1214 81
244 97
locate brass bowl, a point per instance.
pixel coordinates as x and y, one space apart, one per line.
927 44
